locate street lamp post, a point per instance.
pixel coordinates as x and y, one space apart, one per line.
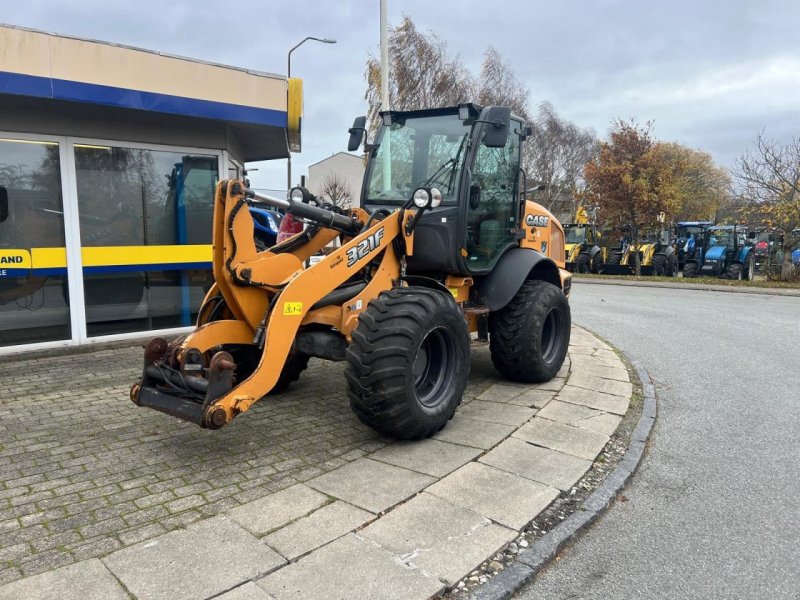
289 74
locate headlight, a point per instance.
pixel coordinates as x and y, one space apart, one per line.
422 198
436 197
296 195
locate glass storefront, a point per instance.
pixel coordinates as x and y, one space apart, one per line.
33 264
145 233
137 207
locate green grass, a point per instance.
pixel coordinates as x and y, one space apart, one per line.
757 283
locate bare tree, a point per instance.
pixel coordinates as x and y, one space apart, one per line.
337 191
555 157
422 73
498 85
769 174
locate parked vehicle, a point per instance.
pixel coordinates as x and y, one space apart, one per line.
657 255
726 251
582 248
686 235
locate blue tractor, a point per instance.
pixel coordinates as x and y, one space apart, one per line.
687 234
723 251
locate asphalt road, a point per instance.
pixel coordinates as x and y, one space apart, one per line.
714 510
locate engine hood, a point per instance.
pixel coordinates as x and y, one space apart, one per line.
715 253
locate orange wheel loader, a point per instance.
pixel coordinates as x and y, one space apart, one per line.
444 251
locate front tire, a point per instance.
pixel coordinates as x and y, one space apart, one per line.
529 337
690 269
408 363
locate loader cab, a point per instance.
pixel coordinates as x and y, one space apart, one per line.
471 154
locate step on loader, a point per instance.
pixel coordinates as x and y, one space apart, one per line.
444 246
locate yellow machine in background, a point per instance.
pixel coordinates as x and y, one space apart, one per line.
584 254
445 246
657 255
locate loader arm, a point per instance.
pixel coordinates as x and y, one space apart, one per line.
260 300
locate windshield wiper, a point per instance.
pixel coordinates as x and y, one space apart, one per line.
437 172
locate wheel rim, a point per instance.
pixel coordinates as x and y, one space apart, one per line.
550 340
434 367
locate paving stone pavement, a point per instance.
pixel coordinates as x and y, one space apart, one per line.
298 486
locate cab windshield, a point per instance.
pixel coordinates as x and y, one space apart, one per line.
575 234
414 152
720 237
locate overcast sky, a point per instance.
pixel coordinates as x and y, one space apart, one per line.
710 74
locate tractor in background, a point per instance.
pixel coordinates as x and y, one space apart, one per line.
687 234
725 251
766 250
582 245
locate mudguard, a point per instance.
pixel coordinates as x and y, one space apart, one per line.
594 250
744 254
514 267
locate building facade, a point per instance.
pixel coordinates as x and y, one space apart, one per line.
108 160
346 169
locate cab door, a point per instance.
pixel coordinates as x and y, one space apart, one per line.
493 202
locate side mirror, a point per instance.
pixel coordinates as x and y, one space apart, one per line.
474 196
357 133
3 204
497 126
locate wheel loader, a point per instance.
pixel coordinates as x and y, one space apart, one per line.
582 245
657 255
443 249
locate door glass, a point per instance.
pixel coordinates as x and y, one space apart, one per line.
492 220
33 258
145 235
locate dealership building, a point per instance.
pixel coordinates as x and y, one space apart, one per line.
108 160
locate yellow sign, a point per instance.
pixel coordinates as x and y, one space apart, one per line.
293 309
15 259
294 113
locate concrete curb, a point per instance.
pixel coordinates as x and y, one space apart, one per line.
707 287
533 559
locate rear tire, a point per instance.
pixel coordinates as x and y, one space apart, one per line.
597 263
690 269
659 265
750 269
582 263
529 337
296 363
734 271
408 363
672 266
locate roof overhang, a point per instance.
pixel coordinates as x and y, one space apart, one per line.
64 69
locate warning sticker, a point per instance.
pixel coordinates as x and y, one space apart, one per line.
293 308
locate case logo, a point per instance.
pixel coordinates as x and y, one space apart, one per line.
537 221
